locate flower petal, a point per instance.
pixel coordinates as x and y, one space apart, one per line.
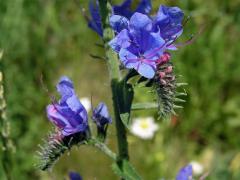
118 23
169 22
65 88
123 9
140 21
95 23
128 58
146 70
55 117
144 7
101 115
120 41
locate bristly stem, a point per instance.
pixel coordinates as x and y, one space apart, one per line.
103 148
114 72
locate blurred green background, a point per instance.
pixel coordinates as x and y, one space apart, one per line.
50 38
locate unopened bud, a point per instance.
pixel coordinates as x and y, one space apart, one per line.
161 75
163 82
169 69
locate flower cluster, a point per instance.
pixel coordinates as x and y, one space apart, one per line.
69 115
142 40
71 119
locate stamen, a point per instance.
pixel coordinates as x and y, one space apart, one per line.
192 38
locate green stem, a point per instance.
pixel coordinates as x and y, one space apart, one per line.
113 67
104 149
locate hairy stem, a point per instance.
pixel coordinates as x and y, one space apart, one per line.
113 67
103 148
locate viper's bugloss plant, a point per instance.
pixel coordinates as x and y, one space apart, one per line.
141 45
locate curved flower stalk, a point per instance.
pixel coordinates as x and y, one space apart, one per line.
165 86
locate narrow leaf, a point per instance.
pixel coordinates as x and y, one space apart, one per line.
143 106
126 171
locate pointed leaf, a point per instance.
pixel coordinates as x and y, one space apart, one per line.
125 117
143 106
126 171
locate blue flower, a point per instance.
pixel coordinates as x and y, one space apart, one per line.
169 22
95 22
68 114
101 116
74 176
185 173
138 46
124 9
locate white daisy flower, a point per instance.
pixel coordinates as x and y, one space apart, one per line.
197 168
86 103
144 127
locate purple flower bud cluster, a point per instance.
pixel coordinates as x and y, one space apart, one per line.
141 41
69 115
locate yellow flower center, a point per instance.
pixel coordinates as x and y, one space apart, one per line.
144 124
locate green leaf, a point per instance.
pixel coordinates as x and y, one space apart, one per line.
125 117
143 106
126 171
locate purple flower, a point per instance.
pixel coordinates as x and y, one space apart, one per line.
68 114
124 9
74 176
101 116
185 173
95 23
138 46
169 22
